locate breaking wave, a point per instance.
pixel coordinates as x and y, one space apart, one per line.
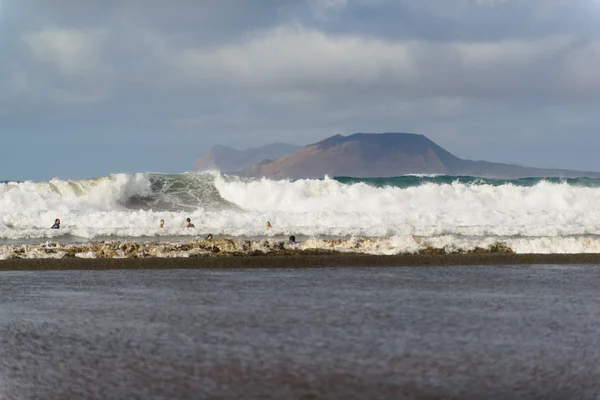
550 215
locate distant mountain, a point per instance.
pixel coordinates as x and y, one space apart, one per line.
227 159
387 154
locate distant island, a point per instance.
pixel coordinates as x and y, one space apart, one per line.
363 155
229 160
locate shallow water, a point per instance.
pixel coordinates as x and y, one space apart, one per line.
68 239
364 333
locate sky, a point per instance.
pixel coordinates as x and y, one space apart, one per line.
94 87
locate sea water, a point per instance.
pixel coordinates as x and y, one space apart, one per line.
522 332
406 214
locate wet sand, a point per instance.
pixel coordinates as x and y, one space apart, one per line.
299 260
465 333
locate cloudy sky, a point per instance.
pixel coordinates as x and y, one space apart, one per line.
92 87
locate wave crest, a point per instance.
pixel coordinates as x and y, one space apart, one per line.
124 205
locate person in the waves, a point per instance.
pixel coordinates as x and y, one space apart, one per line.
56 224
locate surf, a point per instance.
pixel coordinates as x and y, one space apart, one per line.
551 214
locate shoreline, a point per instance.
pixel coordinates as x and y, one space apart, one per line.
297 261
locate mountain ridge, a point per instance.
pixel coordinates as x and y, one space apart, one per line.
229 160
388 154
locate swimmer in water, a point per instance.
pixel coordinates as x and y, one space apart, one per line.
56 224
293 239
268 225
188 223
209 237
162 223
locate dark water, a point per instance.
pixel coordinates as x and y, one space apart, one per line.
407 181
403 333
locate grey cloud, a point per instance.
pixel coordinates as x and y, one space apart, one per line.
73 52
298 59
235 72
196 20
466 20
291 57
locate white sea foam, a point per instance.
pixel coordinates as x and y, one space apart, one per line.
543 218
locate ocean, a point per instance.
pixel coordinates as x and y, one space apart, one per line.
401 215
464 332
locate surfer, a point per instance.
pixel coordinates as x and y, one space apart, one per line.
188 223
293 239
162 223
56 224
209 237
268 225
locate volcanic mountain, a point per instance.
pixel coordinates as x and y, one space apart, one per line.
387 154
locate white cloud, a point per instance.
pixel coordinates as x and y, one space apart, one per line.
71 51
287 57
296 59
329 3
